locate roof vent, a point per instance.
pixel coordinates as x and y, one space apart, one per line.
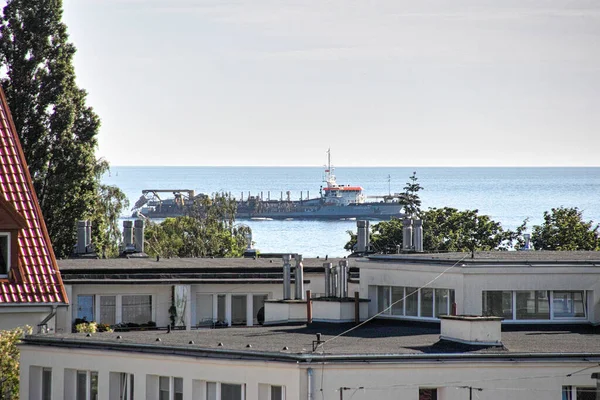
158 339
248 346
191 342
220 344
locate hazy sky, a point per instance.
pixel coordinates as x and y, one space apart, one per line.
381 82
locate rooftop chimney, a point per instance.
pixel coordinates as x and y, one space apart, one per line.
328 279
287 277
418 235
127 233
138 233
343 279
82 239
527 238
299 276
407 234
362 236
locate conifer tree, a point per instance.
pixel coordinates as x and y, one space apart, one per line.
56 128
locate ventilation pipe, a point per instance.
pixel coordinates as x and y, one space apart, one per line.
81 237
418 235
335 271
88 235
343 279
138 233
407 234
328 281
362 237
299 275
127 233
287 277
527 245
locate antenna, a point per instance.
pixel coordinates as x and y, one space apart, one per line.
389 184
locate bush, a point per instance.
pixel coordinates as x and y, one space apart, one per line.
87 327
9 361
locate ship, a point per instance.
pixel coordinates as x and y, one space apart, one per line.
335 202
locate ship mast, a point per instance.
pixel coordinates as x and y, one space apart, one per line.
330 176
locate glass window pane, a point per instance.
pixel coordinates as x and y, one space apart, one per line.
569 304
221 303
397 300
276 393
412 301
4 261
258 302
211 391
497 303
81 385
163 388
178 388
441 302
231 392
136 309
238 309
93 386
108 309
46 384
383 298
427 394
85 307
533 304
586 393
427 302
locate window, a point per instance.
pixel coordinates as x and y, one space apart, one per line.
397 300
87 385
4 253
85 307
442 302
427 394
258 302
124 384
238 309
277 393
498 304
383 299
427 302
221 306
533 304
204 310
46 383
170 388
136 308
568 304
578 393
224 391
412 301
108 308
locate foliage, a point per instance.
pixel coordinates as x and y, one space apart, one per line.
86 327
56 128
445 229
110 203
208 231
9 361
564 229
410 198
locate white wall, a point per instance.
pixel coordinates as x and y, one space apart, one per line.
13 317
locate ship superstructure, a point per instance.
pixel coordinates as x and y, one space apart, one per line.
335 202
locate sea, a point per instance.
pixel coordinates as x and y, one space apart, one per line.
507 195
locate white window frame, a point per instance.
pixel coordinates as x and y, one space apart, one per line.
7 235
228 305
269 394
118 305
46 369
171 386
389 314
88 383
129 379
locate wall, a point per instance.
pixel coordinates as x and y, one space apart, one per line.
13 317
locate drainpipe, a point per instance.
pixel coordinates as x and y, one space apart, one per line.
309 373
45 320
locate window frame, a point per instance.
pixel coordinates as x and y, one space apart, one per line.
8 236
89 388
172 387
218 393
46 385
96 309
414 294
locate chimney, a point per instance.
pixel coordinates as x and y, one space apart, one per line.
82 239
407 234
362 236
418 235
343 279
287 277
527 245
328 281
138 233
127 233
299 275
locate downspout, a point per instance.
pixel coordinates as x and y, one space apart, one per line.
309 373
45 320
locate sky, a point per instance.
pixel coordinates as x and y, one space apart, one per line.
380 82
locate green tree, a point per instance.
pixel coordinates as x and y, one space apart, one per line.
410 198
56 128
445 229
9 361
209 230
564 229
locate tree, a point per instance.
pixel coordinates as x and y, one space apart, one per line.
56 128
564 229
410 198
209 230
9 361
445 229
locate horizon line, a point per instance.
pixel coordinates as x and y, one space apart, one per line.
356 166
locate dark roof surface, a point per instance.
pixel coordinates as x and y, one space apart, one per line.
36 278
589 258
373 339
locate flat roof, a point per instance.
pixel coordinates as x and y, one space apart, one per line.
530 257
377 340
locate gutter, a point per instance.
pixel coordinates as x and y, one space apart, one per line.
305 358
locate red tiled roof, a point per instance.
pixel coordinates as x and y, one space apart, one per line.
36 278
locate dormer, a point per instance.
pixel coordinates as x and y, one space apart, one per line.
11 222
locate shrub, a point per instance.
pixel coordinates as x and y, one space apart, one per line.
9 361
87 327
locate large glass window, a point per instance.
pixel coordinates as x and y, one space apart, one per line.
258 302
569 304
277 393
136 308
427 302
442 302
108 308
168 385
383 299
126 384
578 393
497 303
47 384
532 304
221 306
412 301
86 385
204 309
397 300
238 309
223 391
85 307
